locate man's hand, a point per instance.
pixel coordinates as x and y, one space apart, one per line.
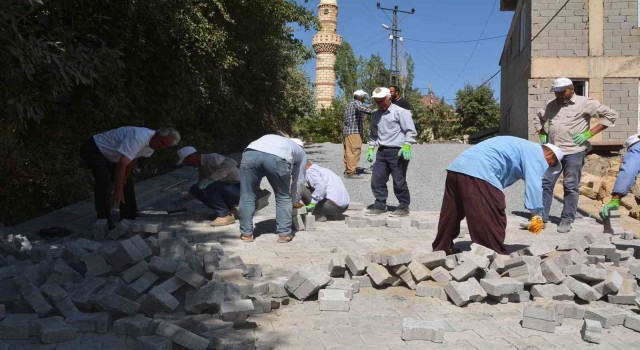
405 151
613 204
298 205
582 137
536 225
204 183
543 137
370 154
116 198
310 207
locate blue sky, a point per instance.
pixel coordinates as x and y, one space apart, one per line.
438 65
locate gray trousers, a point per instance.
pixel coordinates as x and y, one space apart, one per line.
324 208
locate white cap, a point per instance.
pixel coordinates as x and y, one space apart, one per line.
298 142
381 92
632 140
560 84
360 93
184 152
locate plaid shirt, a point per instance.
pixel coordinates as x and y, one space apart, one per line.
353 118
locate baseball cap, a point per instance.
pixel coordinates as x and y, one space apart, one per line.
560 84
381 92
184 152
298 142
360 93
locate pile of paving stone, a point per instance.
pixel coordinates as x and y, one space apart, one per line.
162 291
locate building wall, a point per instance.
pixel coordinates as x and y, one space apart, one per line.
621 32
621 94
567 35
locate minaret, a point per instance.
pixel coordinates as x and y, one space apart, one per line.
325 44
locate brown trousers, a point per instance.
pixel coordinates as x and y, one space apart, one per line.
352 145
482 204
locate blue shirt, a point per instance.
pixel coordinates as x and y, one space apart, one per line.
503 160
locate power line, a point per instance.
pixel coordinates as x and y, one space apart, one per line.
456 42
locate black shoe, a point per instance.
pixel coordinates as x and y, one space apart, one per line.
352 176
375 209
400 212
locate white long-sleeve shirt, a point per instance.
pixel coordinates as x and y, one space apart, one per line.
218 168
326 184
129 141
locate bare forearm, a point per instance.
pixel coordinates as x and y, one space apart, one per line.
598 128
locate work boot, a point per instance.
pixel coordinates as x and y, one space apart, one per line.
352 176
400 211
376 210
223 220
285 239
246 238
564 227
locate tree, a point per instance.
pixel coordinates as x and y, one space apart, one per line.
477 109
346 68
438 121
372 73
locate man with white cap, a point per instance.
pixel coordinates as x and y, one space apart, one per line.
474 189
393 132
325 196
629 171
564 121
282 161
353 133
218 184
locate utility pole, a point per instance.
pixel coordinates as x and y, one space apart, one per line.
394 36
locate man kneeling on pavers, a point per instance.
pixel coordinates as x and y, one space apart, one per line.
325 195
218 184
474 189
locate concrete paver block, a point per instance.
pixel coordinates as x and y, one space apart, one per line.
539 316
16 326
142 284
551 272
419 271
33 296
135 271
632 321
310 222
54 330
552 291
297 223
433 260
586 273
333 300
207 297
413 329
626 294
394 222
118 305
141 245
171 284
356 264
365 281
376 221
464 271
379 274
313 279
100 229
530 273
134 326
591 331
235 341
602 248
405 275
236 311
350 286
608 317
611 284
581 290
191 278
501 286
440 274
572 310
463 292
336 267
96 322
277 287
181 336
154 342
159 300
391 257
354 206
431 289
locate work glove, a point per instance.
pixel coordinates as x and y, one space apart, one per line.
582 137
204 183
370 154
405 151
613 204
536 225
543 137
310 207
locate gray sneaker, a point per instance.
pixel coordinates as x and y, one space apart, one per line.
564 227
400 212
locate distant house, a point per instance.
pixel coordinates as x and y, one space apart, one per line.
596 43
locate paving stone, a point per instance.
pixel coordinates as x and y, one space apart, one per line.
379 274
96 265
530 273
210 296
405 275
552 291
501 286
551 272
135 271
118 305
351 286
33 296
561 259
480 261
611 284
355 222
356 264
100 229
626 294
464 271
277 287
16 326
463 292
142 284
413 329
236 311
80 292
365 281
191 278
8 272
336 267
261 305
355 206
394 222
431 289
391 257
54 330
154 342
182 336
313 279
235 341
130 251
586 273
581 290
539 316
439 274
578 258
95 322
591 331
499 262
572 310
159 300
433 260
171 284
419 271
309 222
595 259
135 326
632 321
598 248
608 317
172 247
376 221
333 300
428 225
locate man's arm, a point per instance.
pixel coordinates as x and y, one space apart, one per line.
628 174
222 169
539 120
407 126
319 186
121 173
533 174
362 108
607 116
373 134
298 176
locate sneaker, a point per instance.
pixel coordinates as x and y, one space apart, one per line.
375 210
285 239
223 220
400 212
246 238
352 176
525 225
564 227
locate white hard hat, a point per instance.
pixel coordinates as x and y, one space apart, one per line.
184 152
560 84
360 93
381 92
556 150
298 142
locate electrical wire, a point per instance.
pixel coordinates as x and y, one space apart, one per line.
455 42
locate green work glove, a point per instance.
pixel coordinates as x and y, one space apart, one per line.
582 137
613 204
310 207
543 137
405 151
204 183
370 154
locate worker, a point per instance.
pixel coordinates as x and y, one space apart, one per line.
353 133
564 121
325 195
629 171
399 100
393 132
282 161
112 156
474 189
218 184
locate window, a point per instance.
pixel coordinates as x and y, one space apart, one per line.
581 86
523 27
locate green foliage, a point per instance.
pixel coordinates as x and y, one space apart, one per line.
346 68
477 109
372 73
326 126
221 71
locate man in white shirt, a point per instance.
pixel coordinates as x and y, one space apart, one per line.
325 196
282 161
112 155
218 184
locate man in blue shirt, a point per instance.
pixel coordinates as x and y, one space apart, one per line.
474 189
629 171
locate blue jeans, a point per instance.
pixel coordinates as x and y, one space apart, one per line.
254 166
629 171
389 163
572 170
219 196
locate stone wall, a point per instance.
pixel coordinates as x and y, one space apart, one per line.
567 35
621 32
621 94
